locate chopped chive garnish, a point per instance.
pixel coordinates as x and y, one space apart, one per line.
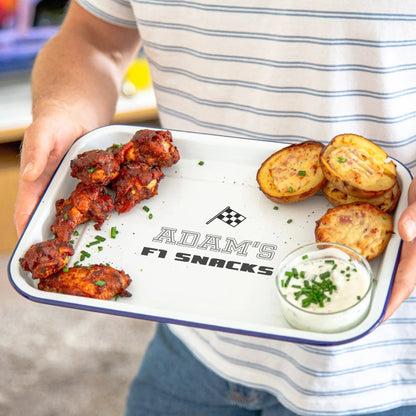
145 208
290 189
100 283
116 145
93 243
150 216
341 159
98 240
76 233
114 232
65 269
313 291
275 208
91 170
100 248
85 253
301 173
201 162
66 216
305 257
289 221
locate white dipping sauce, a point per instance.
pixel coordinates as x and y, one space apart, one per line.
324 290
340 284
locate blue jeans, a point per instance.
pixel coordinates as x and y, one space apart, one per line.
172 382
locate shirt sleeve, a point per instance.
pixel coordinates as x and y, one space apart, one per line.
118 12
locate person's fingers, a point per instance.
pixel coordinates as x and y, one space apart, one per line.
35 152
407 221
36 148
44 144
28 195
405 278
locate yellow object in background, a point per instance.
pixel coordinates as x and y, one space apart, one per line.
137 77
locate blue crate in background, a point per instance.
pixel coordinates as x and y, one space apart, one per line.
19 50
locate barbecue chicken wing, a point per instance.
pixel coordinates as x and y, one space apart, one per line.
86 202
153 147
95 167
46 258
135 182
96 281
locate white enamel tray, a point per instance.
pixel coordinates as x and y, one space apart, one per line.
189 264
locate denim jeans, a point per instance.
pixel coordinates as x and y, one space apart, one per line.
172 382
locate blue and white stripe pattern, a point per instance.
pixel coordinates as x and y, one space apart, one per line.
291 71
118 11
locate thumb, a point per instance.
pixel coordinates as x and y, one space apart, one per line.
40 156
44 144
34 155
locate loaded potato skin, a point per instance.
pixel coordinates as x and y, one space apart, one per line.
357 166
387 202
359 225
293 173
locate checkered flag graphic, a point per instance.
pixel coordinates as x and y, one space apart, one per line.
229 216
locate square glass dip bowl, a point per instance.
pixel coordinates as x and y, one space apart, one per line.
324 287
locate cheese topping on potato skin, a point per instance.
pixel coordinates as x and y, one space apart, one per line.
293 173
387 202
360 226
357 166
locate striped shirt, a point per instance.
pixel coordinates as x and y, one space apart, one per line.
291 71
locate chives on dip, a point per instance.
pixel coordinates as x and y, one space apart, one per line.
324 287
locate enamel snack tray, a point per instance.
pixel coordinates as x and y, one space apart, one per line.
204 251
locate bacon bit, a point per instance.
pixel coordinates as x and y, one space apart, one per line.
345 219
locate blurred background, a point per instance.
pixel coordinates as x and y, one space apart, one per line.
57 361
